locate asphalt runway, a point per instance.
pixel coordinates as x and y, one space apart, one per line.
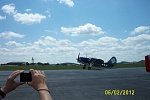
104 84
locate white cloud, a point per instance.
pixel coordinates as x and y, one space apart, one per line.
28 10
9 35
49 49
87 29
128 49
46 49
9 9
25 18
64 43
55 50
28 18
70 3
13 43
2 17
48 40
143 38
100 47
141 29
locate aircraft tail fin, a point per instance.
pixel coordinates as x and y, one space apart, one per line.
147 63
112 62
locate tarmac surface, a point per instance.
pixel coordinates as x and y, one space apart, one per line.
100 84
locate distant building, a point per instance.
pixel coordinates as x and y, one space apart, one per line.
16 64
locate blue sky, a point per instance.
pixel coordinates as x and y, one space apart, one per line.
56 31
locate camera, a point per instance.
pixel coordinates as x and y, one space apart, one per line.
25 77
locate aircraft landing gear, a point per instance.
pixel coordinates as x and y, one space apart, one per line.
89 68
84 67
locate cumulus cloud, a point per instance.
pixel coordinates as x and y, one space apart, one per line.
143 38
70 3
87 29
13 43
9 35
50 41
49 49
129 49
64 43
28 18
102 47
2 17
103 41
9 9
25 18
141 29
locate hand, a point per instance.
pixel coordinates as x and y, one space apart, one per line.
38 80
10 83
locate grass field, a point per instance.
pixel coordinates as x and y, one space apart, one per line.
59 67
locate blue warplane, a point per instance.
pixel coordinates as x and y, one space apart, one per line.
96 62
